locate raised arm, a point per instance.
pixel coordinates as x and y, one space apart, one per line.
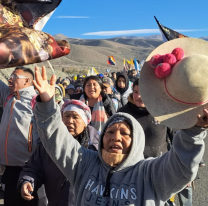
65 151
175 169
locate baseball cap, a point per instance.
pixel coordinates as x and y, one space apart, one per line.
106 81
100 75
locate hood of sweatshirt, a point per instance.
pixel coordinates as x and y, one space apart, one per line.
137 147
124 75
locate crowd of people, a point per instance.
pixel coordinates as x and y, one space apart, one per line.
91 141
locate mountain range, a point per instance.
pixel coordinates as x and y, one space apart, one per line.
86 53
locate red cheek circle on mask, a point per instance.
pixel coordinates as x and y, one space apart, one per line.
155 60
163 70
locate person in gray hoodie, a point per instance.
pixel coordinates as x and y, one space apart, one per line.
118 174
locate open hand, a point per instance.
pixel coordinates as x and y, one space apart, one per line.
26 191
45 89
203 119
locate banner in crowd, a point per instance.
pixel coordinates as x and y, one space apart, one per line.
27 14
136 65
92 72
168 34
111 60
124 65
128 64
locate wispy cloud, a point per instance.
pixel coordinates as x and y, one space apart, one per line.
72 17
138 31
190 30
124 32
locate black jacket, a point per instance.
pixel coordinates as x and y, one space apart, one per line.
155 134
40 169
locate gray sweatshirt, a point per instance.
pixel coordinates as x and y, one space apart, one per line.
17 126
135 181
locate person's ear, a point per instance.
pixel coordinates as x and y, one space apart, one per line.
27 81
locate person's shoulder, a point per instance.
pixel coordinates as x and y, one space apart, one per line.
125 108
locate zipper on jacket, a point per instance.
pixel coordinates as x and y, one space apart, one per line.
107 184
30 138
8 133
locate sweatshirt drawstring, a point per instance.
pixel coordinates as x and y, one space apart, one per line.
107 184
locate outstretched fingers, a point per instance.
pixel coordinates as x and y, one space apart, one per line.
53 80
44 75
38 76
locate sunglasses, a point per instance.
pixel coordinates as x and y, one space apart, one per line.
14 77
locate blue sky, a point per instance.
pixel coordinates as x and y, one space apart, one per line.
97 19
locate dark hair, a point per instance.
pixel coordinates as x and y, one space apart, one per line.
136 83
98 80
25 69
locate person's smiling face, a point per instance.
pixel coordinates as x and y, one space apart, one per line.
117 138
92 89
19 80
137 97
